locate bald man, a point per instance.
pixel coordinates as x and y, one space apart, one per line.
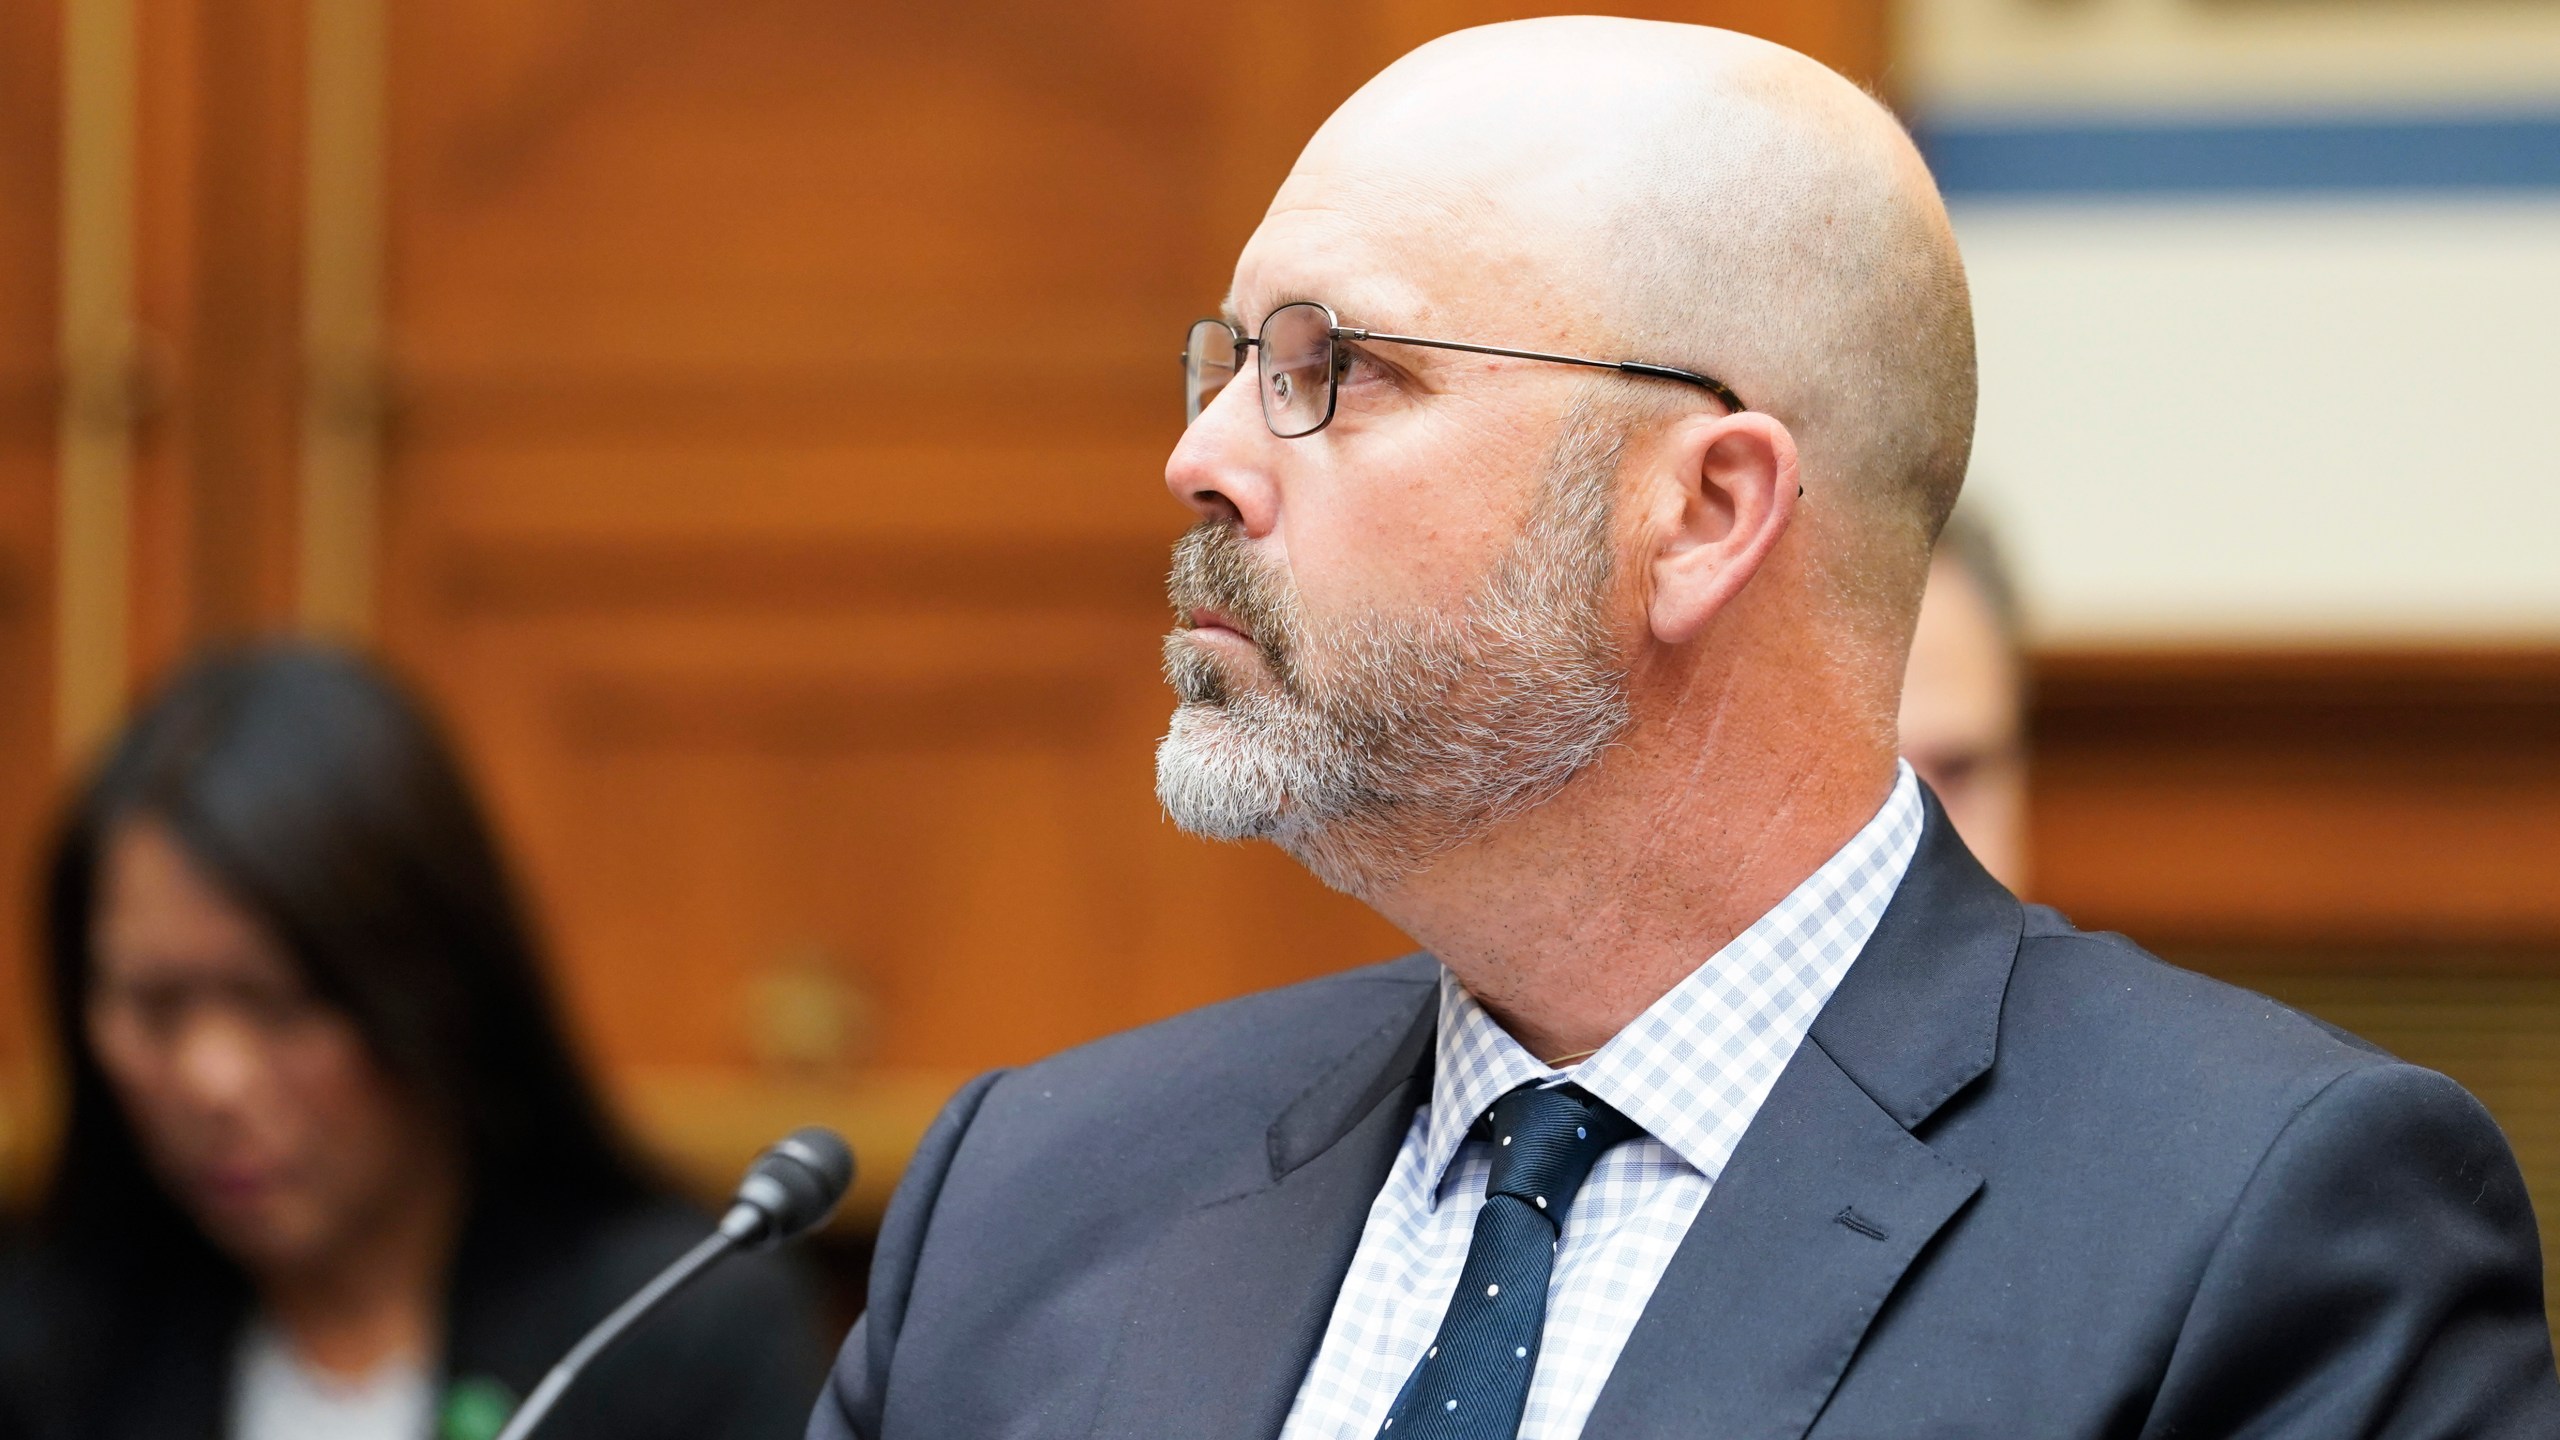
1564 468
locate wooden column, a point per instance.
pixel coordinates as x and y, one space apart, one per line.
33 342
219 210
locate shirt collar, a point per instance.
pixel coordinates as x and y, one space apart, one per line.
1694 1067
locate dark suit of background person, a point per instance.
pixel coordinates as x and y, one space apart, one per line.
2092 1194
345 929
736 1360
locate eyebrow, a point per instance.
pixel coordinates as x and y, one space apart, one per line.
1342 314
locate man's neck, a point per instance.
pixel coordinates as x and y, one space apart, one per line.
1568 922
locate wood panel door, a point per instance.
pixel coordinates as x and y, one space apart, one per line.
779 399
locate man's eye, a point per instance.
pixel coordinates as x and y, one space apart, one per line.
1360 366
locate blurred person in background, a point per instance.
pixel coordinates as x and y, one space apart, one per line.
329 1170
1964 697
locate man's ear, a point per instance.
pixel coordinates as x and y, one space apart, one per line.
1723 491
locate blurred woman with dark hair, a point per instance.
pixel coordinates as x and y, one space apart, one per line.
329 1170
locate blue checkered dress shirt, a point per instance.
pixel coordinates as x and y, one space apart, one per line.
1692 1070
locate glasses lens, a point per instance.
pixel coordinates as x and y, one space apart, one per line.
1208 363
1297 369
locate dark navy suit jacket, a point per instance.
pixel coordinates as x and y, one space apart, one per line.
2020 1181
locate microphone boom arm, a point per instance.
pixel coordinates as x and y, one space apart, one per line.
709 1251
791 1187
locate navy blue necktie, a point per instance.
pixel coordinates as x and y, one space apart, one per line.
1474 1381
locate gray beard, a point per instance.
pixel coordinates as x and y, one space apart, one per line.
1368 752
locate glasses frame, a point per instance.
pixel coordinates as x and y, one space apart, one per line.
1338 332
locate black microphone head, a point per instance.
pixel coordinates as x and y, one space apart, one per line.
793 1186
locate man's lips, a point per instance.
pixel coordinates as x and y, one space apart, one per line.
1210 623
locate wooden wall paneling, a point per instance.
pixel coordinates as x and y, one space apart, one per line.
99 384
346 54
2353 805
219 212
708 528
31 51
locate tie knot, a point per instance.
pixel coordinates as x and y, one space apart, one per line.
1546 1139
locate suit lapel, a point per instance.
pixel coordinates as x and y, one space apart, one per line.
1235 1297
1825 1204
1830 1197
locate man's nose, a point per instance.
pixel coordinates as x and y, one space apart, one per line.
1222 466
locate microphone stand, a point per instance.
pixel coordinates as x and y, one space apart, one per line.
709 1251
790 1187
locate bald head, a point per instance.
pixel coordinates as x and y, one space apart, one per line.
1548 662
1702 199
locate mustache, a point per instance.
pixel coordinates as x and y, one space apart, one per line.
1212 570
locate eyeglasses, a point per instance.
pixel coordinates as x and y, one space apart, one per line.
1301 361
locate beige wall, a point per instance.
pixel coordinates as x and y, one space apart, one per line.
2224 54
2262 417
2325 420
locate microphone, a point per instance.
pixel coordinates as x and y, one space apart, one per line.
791 1187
